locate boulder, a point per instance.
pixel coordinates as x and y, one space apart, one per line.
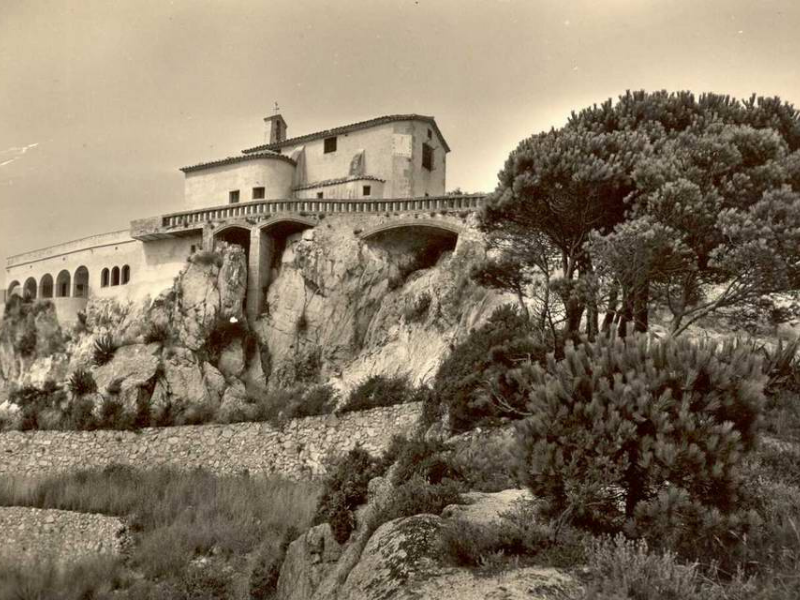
308 559
183 377
234 402
132 367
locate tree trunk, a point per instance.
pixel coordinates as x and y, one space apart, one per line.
626 314
611 310
641 305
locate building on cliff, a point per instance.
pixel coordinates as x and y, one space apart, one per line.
383 173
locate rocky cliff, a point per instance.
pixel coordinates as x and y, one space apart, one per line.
338 309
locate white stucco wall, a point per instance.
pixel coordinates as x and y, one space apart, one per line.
210 186
385 157
153 265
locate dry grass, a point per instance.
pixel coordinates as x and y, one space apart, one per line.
177 516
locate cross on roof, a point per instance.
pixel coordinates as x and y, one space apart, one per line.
276 109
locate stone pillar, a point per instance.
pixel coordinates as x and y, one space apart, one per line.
208 238
255 298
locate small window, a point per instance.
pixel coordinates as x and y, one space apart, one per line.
367 190
427 157
193 249
258 193
320 195
330 145
115 276
126 274
105 278
430 134
233 196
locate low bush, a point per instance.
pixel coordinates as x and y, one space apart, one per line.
265 574
376 391
345 490
81 382
36 404
418 308
646 435
417 496
486 462
206 258
97 577
104 349
486 355
427 459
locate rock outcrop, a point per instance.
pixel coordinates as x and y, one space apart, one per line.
403 559
341 309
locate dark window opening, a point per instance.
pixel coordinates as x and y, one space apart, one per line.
320 195
193 249
430 134
367 191
233 196
115 276
330 145
427 157
104 278
126 274
258 193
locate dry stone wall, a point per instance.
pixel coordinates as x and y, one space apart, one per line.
32 534
296 451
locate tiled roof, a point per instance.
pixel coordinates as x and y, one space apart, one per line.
347 128
236 159
327 182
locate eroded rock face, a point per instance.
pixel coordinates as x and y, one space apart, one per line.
207 293
132 367
341 309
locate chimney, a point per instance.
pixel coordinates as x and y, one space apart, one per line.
276 129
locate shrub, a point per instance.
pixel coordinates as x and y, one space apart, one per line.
651 432
81 382
418 308
206 258
486 462
35 403
627 569
416 497
487 354
318 400
428 459
157 333
378 390
345 490
782 367
265 574
104 349
79 415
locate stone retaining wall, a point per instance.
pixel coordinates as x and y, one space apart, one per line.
297 451
32 534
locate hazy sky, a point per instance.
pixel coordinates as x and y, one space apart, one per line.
101 101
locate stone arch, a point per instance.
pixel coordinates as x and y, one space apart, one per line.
29 289
126 274
14 289
287 221
115 276
46 286
63 280
441 225
105 277
80 282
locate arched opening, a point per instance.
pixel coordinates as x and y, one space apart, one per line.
46 286
235 235
115 276
126 274
412 246
14 289
29 289
105 277
81 283
276 236
63 284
